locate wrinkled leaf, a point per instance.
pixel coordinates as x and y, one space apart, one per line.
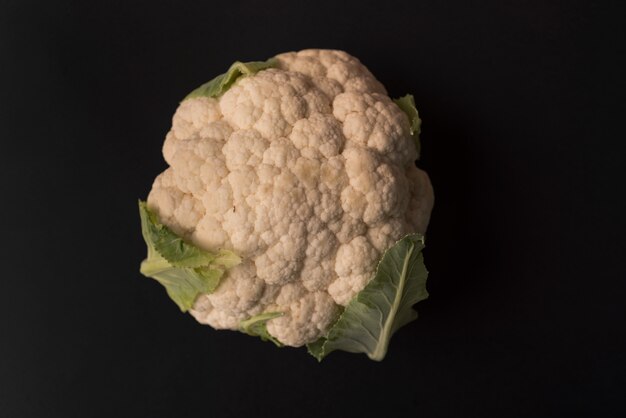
257 326
226 258
407 105
383 306
172 247
182 268
220 84
182 284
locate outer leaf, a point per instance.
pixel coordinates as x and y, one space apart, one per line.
383 306
257 326
220 84
172 247
182 284
226 258
407 104
316 348
182 268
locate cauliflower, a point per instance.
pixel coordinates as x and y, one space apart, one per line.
294 177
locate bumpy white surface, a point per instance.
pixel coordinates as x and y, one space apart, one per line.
306 171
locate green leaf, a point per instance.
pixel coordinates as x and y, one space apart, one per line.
182 268
316 348
383 306
407 105
220 84
182 284
226 258
257 326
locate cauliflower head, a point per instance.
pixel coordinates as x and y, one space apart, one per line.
306 171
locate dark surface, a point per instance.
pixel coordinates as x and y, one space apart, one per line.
523 108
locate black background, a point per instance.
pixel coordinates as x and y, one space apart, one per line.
523 124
